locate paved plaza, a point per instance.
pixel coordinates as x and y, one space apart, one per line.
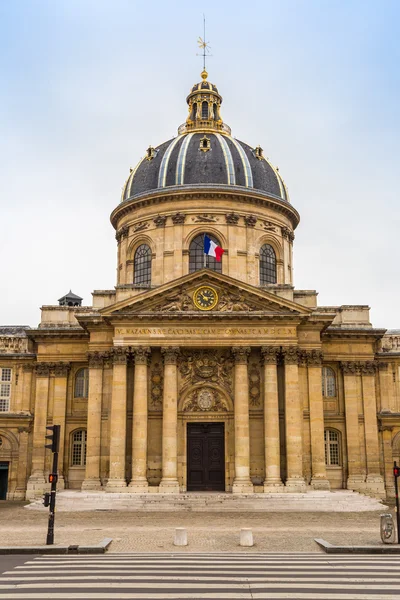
207 532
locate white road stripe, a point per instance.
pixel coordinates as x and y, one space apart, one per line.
209 596
216 568
242 579
238 572
199 585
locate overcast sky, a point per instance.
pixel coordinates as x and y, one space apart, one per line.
87 85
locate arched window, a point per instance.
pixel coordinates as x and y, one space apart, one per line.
328 382
267 265
194 111
204 110
78 448
333 454
82 383
142 265
198 260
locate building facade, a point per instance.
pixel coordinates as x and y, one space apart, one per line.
193 374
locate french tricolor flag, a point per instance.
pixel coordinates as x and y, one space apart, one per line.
212 249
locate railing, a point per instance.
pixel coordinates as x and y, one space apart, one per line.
390 342
13 345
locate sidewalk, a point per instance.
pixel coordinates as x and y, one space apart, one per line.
207 532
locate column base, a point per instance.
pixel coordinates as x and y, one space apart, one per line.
375 485
356 483
168 487
36 486
139 487
91 484
115 485
274 487
296 485
320 483
242 487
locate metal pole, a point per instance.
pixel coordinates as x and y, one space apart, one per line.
52 508
205 255
396 490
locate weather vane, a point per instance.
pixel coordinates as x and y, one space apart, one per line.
203 45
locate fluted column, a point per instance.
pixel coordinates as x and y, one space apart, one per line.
92 473
318 466
355 480
36 482
61 371
273 481
374 480
242 483
388 459
294 422
169 482
139 483
117 478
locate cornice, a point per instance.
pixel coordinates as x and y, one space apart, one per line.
56 333
336 333
214 192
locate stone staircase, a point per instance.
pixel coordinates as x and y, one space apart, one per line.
312 501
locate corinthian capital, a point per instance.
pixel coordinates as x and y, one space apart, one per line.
170 354
61 369
349 368
291 355
141 355
43 369
315 357
270 354
241 354
120 356
95 360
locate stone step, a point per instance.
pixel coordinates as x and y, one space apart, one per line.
338 501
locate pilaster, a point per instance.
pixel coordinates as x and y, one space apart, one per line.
318 466
374 482
388 459
273 481
355 480
116 480
26 388
61 371
92 474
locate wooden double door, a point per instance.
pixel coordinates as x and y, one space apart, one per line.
205 457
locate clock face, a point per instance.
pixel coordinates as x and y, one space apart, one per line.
205 297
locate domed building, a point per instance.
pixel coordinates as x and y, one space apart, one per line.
204 369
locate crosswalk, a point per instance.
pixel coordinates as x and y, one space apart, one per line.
203 576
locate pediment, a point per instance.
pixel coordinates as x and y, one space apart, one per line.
177 298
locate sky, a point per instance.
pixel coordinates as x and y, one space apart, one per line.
87 85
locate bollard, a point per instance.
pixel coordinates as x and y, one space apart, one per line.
388 532
246 537
180 537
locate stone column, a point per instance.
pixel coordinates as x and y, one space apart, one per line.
273 481
386 387
374 480
59 412
294 422
242 483
26 389
36 482
95 398
388 459
318 466
117 479
169 482
355 480
139 483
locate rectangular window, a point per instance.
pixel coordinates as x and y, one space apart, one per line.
5 389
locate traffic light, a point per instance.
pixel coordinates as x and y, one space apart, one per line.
396 471
46 499
53 478
54 438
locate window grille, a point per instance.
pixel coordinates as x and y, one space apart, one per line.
328 382
5 389
82 383
267 265
142 265
204 110
332 448
78 450
198 260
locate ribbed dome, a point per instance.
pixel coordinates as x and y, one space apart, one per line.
204 153
204 158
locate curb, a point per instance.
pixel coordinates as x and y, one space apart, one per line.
383 549
101 548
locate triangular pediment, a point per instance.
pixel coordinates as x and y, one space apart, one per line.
180 297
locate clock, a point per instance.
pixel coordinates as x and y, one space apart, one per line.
205 297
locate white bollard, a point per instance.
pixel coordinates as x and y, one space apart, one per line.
180 537
246 537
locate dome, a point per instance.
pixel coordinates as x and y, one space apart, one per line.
204 154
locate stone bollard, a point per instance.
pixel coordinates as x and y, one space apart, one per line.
180 538
388 530
246 537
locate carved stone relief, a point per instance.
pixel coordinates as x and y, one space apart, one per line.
206 365
205 400
156 386
254 384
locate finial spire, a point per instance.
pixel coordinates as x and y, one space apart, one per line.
203 45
